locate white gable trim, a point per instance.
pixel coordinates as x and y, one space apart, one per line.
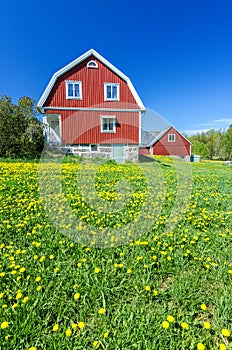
79 60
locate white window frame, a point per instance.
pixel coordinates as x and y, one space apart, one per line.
113 117
89 64
105 91
171 137
80 89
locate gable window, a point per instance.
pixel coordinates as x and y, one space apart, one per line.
92 64
171 137
74 90
111 92
108 124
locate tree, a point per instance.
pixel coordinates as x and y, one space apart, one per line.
201 149
21 133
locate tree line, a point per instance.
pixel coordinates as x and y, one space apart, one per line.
213 144
21 132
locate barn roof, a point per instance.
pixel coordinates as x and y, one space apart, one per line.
78 60
149 138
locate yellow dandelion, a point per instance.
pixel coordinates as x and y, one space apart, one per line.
18 295
96 344
4 325
184 325
207 325
97 270
155 293
148 288
25 299
222 346
68 332
32 348
81 324
170 318
106 334
200 346
203 307
101 311
55 328
129 271
165 324
76 296
225 332
38 279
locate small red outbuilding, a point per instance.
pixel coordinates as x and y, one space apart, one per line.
167 142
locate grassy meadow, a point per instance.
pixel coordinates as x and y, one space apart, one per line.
160 290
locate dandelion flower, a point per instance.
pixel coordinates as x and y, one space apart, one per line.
68 332
76 296
148 288
203 307
207 325
81 324
200 346
38 288
4 325
222 346
165 324
225 332
155 293
32 348
97 270
184 325
38 279
170 318
96 344
106 334
55 327
101 311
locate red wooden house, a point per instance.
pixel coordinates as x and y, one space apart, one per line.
93 109
168 142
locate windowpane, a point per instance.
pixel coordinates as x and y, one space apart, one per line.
77 90
108 124
70 90
114 92
108 91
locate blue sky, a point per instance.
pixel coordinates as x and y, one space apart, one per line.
177 53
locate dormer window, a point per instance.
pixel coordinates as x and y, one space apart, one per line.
74 90
111 92
92 64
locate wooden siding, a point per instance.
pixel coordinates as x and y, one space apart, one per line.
85 127
93 80
180 147
144 151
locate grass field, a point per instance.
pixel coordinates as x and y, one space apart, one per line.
161 290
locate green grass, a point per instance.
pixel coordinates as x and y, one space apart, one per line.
139 283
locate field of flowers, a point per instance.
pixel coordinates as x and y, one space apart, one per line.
160 290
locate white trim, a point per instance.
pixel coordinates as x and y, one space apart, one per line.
111 85
90 66
80 89
79 60
171 137
92 109
114 126
140 127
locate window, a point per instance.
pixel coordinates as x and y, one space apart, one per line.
92 64
171 137
108 124
74 90
111 92
94 148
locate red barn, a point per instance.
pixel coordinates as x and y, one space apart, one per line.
91 108
168 142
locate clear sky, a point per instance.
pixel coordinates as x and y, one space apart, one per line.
177 53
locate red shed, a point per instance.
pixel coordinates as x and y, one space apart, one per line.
168 142
91 108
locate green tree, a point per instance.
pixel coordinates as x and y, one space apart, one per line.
21 133
201 149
